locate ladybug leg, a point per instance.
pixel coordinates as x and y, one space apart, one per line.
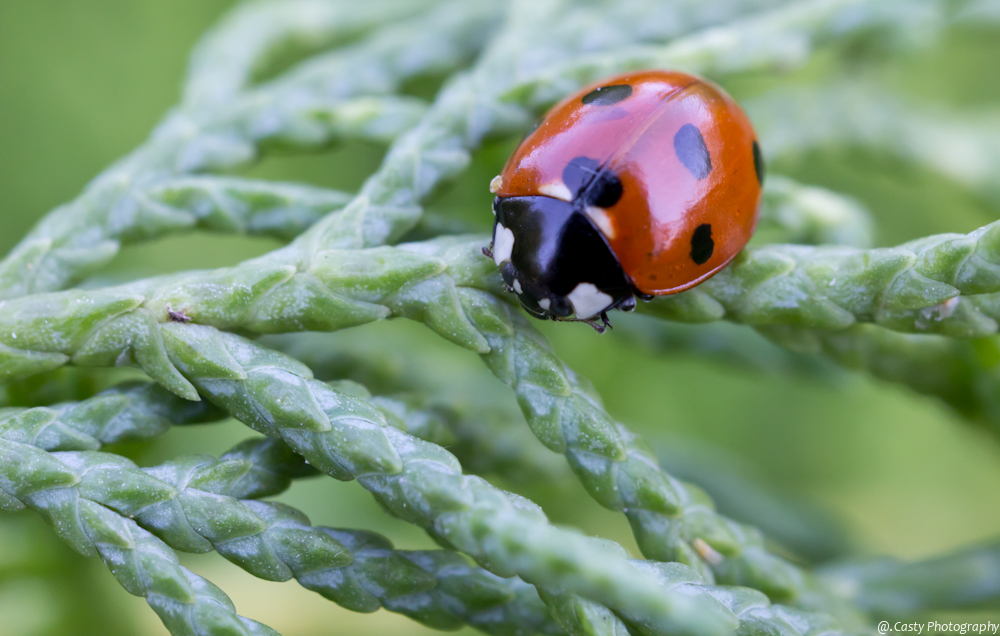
599 327
487 252
646 297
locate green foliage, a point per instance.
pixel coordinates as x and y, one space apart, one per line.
283 77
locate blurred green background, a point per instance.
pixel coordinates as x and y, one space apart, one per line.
83 83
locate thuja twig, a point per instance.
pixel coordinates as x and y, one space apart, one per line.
440 298
965 374
966 579
795 523
141 410
346 437
308 109
198 503
424 281
752 608
484 441
920 286
78 238
247 40
253 469
963 146
794 213
732 345
230 205
653 496
671 521
143 564
128 411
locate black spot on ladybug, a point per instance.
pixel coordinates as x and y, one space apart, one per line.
758 162
578 173
702 244
605 191
607 95
692 151
599 186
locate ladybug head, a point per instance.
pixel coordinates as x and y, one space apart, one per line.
557 262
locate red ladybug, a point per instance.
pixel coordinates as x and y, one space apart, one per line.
643 185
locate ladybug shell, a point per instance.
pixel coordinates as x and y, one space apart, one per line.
687 160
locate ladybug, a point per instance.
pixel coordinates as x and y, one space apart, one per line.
642 185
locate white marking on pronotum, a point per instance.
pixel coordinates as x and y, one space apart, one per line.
496 183
556 190
517 287
588 300
601 220
503 245
545 303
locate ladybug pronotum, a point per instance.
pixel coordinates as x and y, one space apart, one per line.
644 184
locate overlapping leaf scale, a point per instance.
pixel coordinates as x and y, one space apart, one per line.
129 411
931 285
227 205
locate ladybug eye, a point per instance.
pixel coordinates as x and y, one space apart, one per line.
607 95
